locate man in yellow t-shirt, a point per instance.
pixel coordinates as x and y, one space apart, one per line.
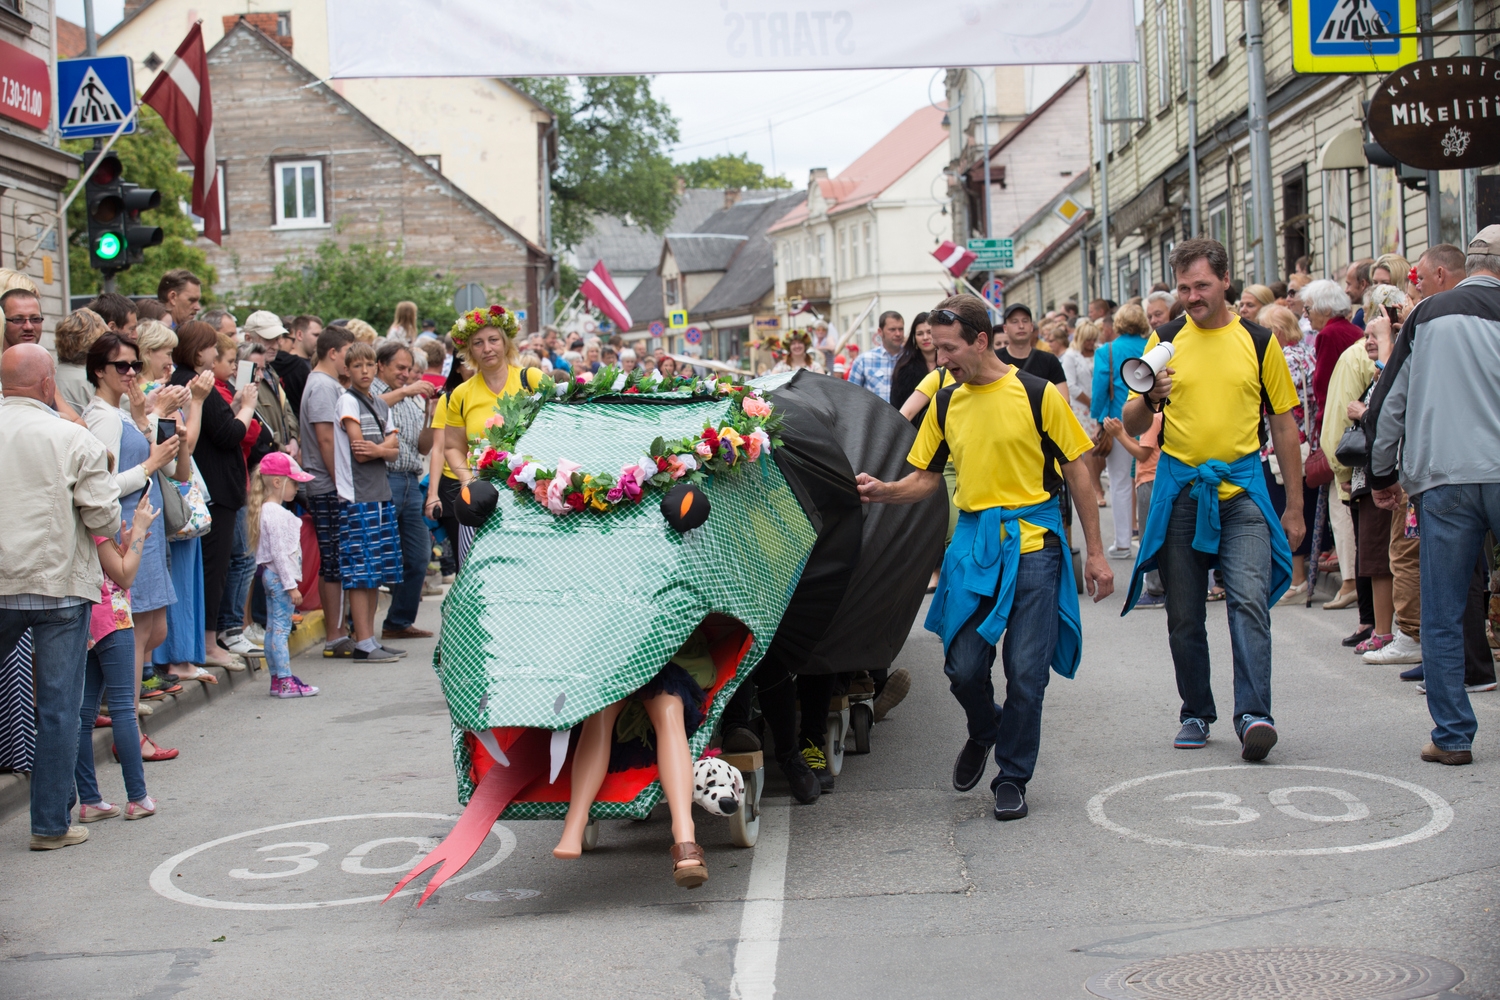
1210 506
1008 569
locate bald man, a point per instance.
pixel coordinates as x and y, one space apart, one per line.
57 492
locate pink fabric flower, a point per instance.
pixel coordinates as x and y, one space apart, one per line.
540 491
756 407
704 448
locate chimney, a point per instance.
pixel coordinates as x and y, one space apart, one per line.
817 174
679 185
731 197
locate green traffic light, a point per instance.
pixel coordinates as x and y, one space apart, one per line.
109 247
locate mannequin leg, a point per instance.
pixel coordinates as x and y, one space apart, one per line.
590 764
674 764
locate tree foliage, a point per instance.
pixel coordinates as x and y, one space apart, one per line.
729 171
612 141
149 158
364 281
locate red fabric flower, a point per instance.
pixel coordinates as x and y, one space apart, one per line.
661 465
489 458
632 391
712 437
574 500
497 310
513 482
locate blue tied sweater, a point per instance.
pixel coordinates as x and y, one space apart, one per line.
1172 477
979 563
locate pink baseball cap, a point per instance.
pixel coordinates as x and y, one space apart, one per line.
280 464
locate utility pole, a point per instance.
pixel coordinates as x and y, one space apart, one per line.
1101 95
1468 223
1434 181
1188 35
984 125
90 39
1260 146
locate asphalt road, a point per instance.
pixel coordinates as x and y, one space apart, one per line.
892 886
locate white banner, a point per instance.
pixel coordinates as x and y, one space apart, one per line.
377 38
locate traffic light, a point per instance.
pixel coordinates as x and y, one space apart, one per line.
106 214
117 237
138 236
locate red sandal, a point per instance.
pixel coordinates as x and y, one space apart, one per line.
156 752
692 876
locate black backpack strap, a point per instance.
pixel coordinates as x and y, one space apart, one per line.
1164 335
1052 456
370 409
1261 338
940 403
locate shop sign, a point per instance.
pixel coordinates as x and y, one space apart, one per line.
25 87
1440 114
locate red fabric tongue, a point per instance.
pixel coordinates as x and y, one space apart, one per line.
528 762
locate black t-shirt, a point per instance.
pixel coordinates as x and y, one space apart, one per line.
1038 363
293 370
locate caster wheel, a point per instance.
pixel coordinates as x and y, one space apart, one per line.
591 835
861 718
744 825
833 741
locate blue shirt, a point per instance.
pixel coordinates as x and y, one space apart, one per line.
872 369
1107 360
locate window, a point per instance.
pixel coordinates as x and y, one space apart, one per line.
433 160
1218 44
1247 197
1145 269
822 255
1218 220
1167 243
1295 237
670 287
844 253
299 193
869 251
1186 39
284 23
1163 60
223 203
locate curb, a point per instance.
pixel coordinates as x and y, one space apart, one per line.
15 787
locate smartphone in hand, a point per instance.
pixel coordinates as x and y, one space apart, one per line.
165 430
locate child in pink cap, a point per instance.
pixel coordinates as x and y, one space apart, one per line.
276 537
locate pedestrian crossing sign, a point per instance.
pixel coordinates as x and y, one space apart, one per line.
1353 36
94 96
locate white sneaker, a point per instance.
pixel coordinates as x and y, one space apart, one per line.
1470 688
256 634
236 642
1115 552
1404 649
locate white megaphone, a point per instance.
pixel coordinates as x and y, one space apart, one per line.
1140 373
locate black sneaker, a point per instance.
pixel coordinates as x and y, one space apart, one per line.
1192 736
812 754
1257 739
804 783
1365 631
1010 801
969 767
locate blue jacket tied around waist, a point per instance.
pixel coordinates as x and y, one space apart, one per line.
979 563
1172 477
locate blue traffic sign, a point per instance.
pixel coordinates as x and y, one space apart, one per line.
692 335
94 96
657 328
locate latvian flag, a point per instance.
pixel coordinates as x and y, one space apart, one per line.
954 257
180 95
599 288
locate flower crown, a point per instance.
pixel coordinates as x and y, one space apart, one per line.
475 320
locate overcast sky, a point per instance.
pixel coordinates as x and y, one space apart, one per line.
788 121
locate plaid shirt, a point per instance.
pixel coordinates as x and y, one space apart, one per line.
410 417
872 369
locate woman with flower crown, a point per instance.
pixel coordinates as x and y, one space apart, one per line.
487 340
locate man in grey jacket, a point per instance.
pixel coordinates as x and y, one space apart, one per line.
57 491
1437 414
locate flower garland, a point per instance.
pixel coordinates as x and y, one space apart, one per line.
744 435
475 320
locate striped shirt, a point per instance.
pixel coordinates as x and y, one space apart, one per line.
410 418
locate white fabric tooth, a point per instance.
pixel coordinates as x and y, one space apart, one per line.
487 739
559 752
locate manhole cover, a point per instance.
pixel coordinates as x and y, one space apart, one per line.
1275 973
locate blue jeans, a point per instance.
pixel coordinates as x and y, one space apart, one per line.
59 644
1244 560
278 624
1454 519
407 496
111 671
241 573
1015 730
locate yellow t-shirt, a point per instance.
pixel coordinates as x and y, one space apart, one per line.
471 404
933 381
1215 407
995 447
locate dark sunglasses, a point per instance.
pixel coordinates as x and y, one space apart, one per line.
947 317
127 367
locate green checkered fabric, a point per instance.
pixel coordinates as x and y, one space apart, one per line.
553 618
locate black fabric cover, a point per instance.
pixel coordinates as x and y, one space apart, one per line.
866 577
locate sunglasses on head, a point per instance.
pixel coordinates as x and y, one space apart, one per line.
948 317
127 367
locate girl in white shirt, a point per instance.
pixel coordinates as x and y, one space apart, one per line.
276 537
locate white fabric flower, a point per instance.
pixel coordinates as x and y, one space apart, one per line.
527 475
619 382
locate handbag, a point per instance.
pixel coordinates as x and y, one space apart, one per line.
193 495
175 511
1353 448
1316 472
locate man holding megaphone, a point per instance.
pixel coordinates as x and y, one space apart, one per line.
1212 375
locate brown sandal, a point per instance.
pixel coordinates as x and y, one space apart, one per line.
692 876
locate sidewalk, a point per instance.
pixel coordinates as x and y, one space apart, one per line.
15 787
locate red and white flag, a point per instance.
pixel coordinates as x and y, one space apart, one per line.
599 288
180 95
954 257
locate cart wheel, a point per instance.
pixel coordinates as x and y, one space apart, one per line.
861 717
744 824
1078 570
591 835
833 742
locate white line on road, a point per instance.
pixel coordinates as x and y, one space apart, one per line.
760 927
